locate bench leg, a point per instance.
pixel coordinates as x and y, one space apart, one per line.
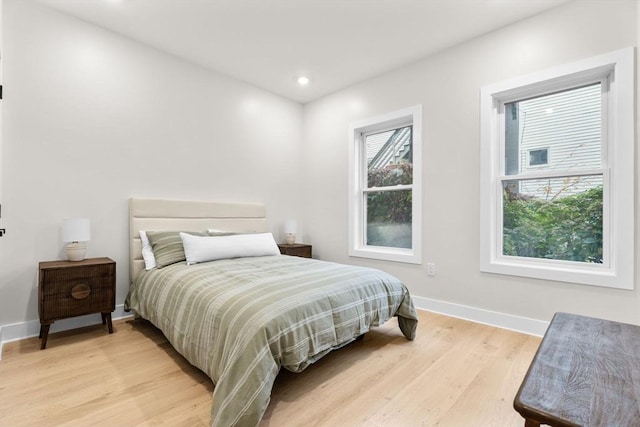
528 422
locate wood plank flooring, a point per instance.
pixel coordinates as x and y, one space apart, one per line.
456 373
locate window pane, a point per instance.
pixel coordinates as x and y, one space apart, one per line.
538 157
390 158
389 219
565 127
557 218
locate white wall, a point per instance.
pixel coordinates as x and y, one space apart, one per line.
448 87
91 119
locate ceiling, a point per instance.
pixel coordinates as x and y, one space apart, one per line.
269 43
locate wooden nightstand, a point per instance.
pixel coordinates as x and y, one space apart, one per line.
297 249
75 288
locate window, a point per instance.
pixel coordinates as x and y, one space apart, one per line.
539 157
385 178
567 217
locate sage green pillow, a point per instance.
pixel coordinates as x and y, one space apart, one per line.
167 246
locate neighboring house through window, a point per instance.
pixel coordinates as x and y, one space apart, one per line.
384 208
557 151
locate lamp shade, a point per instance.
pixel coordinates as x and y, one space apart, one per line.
290 229
291 226
76 230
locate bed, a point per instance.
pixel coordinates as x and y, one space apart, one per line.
240 319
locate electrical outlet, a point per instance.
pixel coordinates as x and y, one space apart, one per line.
431 269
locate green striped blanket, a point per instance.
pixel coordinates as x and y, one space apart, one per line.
240 320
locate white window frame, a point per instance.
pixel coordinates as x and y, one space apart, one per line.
411 116
618 128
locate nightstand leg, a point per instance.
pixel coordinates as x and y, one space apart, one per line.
44 334
107 317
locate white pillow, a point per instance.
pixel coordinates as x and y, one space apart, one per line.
206 248
147 252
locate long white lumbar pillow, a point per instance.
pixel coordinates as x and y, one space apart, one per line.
210 248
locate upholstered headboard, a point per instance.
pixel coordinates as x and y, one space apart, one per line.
177 215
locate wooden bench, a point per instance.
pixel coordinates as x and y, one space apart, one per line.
586 373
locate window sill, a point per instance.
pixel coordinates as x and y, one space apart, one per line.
387 254
589 274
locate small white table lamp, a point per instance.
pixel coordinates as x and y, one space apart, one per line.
77 232
290 228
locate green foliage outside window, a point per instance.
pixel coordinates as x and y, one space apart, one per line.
389 213
567 228
390 206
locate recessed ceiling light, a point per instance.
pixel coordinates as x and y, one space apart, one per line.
303 80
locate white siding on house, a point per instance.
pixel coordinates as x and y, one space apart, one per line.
375 142
388 148
568 125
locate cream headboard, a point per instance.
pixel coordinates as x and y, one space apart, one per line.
177 215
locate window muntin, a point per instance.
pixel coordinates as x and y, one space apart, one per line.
385 179
607 177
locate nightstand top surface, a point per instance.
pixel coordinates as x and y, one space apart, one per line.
66 263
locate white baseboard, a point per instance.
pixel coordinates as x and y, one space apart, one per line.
486 317
31 328
18 331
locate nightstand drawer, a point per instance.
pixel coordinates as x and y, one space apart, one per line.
77 301
296 249
57 281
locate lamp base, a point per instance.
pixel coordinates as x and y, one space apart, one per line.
76 251
289 238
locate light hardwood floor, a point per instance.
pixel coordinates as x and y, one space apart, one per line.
456 373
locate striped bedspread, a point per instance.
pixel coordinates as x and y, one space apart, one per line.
240 320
